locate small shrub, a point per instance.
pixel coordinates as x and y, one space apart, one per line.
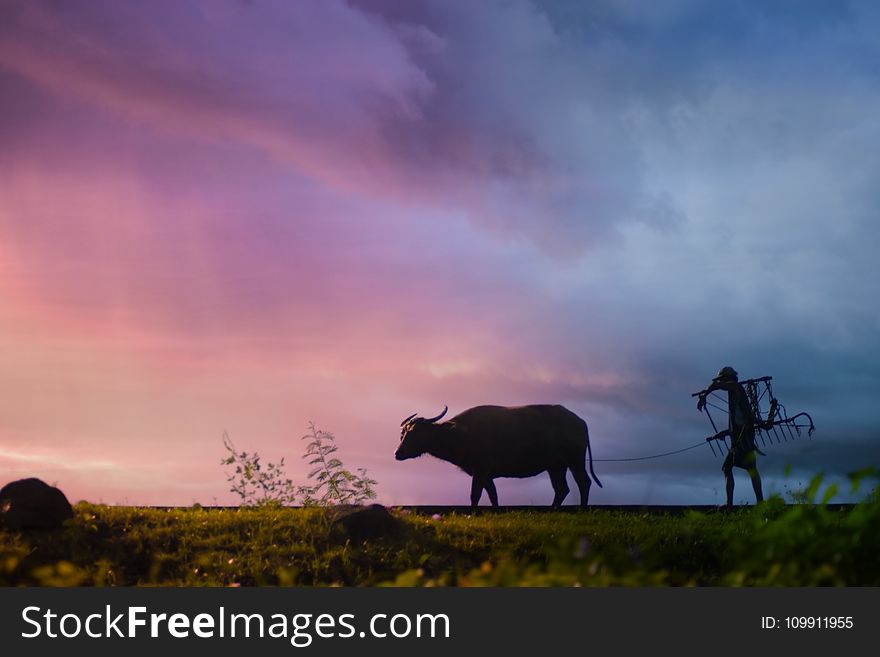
333 483
254 483
257 484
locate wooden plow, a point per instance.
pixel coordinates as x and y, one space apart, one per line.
771 420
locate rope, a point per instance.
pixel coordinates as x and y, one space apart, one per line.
655 456
678 451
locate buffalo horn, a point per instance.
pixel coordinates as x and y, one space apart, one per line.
408 419
434 419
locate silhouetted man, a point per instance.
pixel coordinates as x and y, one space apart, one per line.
741 429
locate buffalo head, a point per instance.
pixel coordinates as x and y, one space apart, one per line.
414 435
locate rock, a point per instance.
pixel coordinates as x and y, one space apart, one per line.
366 522
33 504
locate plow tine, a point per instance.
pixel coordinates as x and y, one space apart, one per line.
780 430
798 427
776 434
709 415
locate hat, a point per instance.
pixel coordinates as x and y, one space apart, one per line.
726 372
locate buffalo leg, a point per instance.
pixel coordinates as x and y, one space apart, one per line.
557 478
493 494
476 490
582 479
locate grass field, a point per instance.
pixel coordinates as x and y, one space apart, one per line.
772 544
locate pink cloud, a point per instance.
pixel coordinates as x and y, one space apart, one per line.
408 104
281 78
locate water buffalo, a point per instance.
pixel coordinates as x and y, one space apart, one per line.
495 441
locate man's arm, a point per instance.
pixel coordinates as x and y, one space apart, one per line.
721 435
701 399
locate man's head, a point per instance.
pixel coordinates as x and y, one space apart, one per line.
727 373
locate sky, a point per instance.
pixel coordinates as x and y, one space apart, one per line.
249 216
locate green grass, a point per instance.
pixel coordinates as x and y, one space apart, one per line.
770 545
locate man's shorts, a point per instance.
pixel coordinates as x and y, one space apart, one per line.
745 459
742 452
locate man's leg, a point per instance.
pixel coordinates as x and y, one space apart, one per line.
756 478
751 463
756 484
727 469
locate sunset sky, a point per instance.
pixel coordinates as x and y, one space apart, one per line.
249 215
